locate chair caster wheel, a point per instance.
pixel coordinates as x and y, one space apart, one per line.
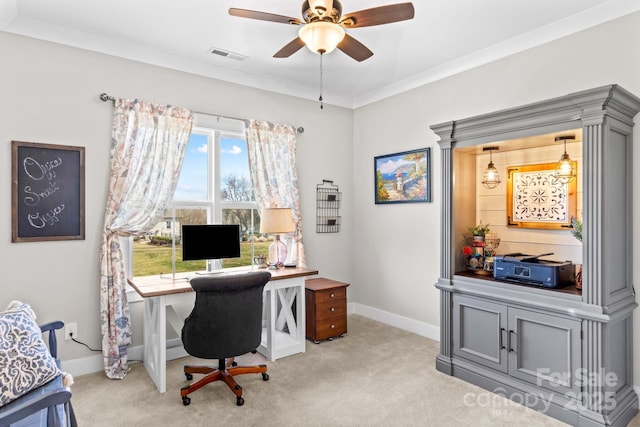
239 401
186 400
265 376
188 376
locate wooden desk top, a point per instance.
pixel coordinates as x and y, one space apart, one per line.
165 284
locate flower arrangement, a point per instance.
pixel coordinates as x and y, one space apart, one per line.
479 230
576 228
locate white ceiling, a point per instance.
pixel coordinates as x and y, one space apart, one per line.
445 37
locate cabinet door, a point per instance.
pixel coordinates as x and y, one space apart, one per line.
479 332
544 350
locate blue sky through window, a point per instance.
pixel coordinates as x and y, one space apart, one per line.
192 184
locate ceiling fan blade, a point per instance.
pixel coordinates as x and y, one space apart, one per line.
378 15
354 48
263 16
290 48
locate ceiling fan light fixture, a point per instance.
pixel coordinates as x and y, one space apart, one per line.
321 10
321 37
320 7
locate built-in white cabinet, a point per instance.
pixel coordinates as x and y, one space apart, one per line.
567 352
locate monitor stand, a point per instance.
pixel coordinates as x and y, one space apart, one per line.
214 266
209 273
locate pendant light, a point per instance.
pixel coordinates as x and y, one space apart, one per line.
490 177
565 170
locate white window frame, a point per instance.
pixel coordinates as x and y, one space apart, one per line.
215 128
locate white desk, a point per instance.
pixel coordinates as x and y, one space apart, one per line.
284 291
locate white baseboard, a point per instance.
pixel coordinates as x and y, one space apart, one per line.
92 364
83 366
423 329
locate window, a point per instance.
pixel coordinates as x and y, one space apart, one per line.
214 188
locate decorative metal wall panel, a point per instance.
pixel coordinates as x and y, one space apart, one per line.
328 198
536 200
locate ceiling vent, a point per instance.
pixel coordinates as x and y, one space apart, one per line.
227 54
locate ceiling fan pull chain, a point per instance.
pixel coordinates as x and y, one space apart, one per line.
320 99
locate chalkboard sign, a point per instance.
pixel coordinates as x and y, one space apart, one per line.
47 195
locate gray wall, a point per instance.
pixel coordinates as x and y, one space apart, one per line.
389 253
49 94
396 269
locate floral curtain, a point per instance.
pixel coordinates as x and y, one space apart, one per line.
147 149
272 164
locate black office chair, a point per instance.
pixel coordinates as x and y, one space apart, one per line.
226 321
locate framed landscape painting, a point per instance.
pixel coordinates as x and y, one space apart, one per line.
403 177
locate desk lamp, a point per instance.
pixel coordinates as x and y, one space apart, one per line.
277 221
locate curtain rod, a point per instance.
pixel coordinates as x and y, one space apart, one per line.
104 97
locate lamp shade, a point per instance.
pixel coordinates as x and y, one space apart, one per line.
321 36
276 220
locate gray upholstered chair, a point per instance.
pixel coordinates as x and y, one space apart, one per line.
45 405
226 321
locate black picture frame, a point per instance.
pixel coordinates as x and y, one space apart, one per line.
47 192
403 177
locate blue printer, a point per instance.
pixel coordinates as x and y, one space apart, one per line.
531 270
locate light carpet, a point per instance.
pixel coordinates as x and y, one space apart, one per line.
376 375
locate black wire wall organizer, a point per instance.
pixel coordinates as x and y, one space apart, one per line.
328 199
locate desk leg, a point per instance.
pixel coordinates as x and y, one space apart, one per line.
267 346
301 331
280 298
287 297
155 340
295 323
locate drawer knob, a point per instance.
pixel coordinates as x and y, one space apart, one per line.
332 295
332 309
333 326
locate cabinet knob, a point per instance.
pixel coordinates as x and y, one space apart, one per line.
332 309
332 295
333 326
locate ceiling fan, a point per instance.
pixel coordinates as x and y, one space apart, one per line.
323 26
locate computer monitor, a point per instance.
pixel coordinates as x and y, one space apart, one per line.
210 242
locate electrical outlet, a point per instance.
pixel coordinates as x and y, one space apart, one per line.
69 330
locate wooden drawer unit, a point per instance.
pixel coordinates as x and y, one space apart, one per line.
326 309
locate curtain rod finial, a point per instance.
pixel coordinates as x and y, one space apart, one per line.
104 97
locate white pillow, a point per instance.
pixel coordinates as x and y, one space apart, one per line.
25 361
